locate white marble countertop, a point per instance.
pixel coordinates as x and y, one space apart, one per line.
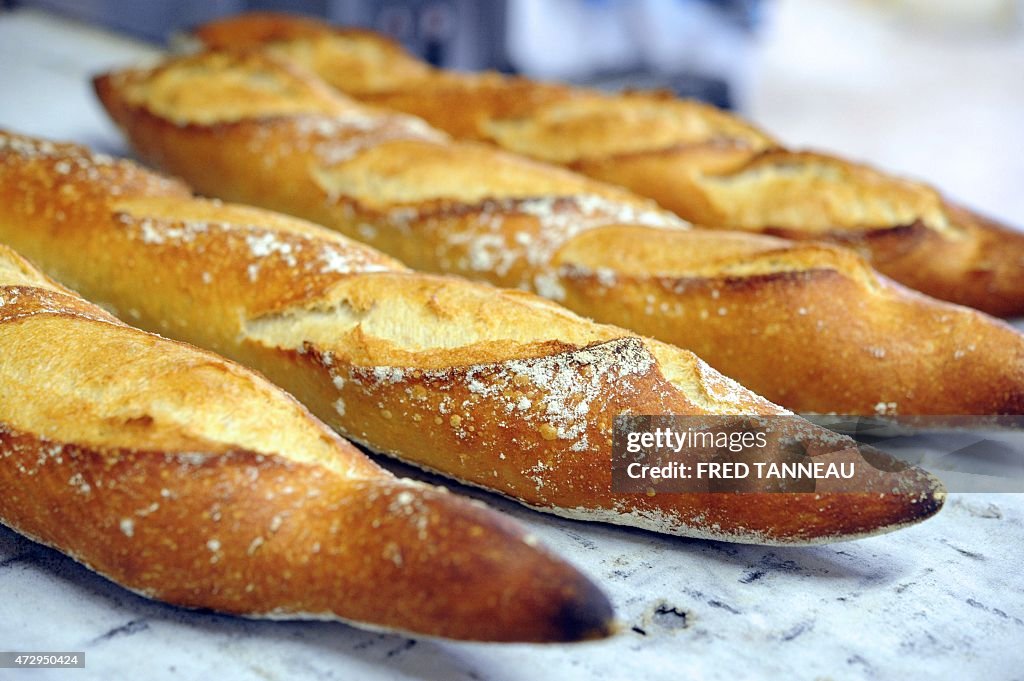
944 599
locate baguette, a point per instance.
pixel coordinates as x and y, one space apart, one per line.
702 163
500 389
186 478
808 326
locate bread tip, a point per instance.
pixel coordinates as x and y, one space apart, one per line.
101 85
933 499
586 615
923 497
916 496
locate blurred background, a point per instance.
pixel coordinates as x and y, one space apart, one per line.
928 88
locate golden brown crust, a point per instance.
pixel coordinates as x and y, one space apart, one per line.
705 165
188 479
497 388
459 208
907 230
259 27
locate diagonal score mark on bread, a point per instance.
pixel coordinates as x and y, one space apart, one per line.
577 127
748 304
691 158
144 407
186 478
494 387
784 190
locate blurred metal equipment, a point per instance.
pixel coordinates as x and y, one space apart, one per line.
463 34
696 48
460 34
150 20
